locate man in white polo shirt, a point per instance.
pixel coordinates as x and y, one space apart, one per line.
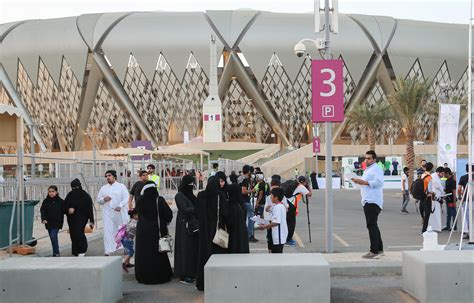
372 200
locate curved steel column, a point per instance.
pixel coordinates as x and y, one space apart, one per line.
91 82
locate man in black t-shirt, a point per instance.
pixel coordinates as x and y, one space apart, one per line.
450 188
260 191
137 188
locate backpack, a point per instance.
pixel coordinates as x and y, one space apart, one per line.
289 187
418 189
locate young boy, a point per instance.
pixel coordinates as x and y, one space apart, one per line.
267 211
277 221
127 240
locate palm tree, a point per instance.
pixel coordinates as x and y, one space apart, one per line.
370 117
410 99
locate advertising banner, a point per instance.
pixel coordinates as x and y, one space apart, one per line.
448 125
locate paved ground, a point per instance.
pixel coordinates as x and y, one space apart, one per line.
399 232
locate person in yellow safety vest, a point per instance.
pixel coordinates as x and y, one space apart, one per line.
152 176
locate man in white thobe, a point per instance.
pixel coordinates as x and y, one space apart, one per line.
114 200
438 190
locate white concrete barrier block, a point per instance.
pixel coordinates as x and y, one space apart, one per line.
267 278
439 276
88 279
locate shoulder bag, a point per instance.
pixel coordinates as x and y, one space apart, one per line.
165 244
221 238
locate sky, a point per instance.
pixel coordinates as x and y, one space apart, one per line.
449 11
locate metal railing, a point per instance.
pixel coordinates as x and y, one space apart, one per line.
60 172
276 155
227 165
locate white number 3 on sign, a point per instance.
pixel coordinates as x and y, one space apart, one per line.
329 82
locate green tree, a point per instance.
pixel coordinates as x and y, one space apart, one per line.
369 117
410 99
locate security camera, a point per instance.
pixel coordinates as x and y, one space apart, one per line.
300 49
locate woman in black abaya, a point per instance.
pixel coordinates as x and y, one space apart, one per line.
207 215
235 221
186 238
79 211
151 266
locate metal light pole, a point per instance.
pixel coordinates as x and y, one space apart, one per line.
328 142
92 136
300 49
470 113
32 146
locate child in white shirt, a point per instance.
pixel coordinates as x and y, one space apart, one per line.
267 210
279 229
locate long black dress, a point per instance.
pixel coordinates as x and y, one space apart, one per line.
151 267
186 242
207 215
235 221
83 212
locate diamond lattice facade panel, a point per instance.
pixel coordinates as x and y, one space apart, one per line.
107 117
193 92
242 121
428 119
163 87
155 99
4 98
56 107
292 107
415 71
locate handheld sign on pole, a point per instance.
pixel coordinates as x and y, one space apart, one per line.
327 90
316 145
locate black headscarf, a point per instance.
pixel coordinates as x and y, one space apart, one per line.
149 191
187 186
221 176
235 194
76 184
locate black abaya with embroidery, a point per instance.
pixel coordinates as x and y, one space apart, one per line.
151 266
207 216
186 242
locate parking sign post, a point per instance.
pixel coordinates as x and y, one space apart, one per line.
328 107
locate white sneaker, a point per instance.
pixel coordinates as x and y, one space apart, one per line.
81 255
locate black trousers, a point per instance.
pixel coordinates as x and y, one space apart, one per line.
372 212
277 249
425 211
291 221
78 238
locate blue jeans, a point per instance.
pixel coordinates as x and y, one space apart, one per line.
250 223
406 199
450 213
128 245
53 235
